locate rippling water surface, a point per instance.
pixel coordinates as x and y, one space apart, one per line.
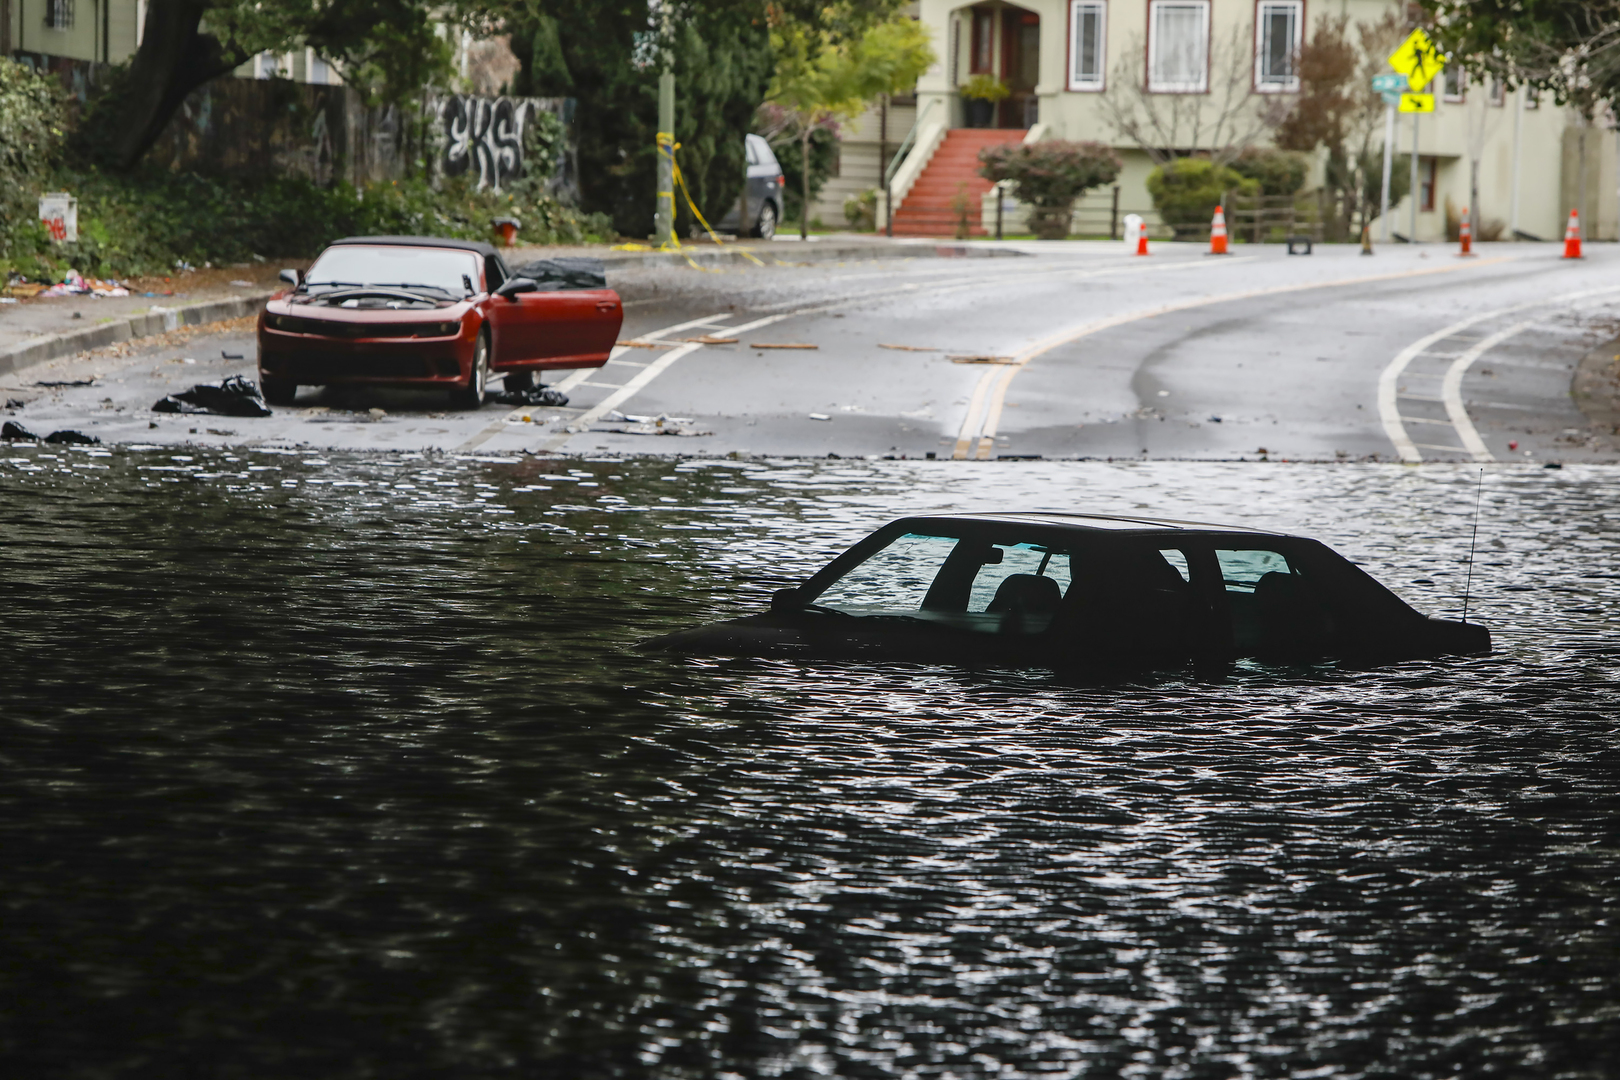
344 767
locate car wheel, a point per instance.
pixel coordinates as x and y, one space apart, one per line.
766 228
277 391
518 381
471 396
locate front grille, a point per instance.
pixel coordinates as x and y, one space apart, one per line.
332 328
314 368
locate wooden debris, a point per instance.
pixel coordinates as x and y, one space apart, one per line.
641 344
710 339
981 360
911 348
781 345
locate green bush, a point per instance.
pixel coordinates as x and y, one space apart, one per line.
823 156
145 222
1280 173
861 210
1049 176
31 127
1186 191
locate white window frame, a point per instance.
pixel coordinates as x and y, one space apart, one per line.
1078 81
1201 84
1270 84
1462 85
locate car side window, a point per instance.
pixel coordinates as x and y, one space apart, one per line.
1242 570
1274 608
494 273
752 150
1021 561
766 155
895 580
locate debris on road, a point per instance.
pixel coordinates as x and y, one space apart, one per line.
13 432
710 339
781 345
15 403
535 395
224 355
72 438
911 348
68 382
233 397
641 344
981 359
819 416
652 425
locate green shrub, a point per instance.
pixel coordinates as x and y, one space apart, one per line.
861 210
984 87
31 127
143 223
1186 191
1280 173
1048 177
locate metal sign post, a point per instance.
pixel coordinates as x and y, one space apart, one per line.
1419 60
1389 86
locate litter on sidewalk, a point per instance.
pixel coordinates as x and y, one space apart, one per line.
233 397
73 283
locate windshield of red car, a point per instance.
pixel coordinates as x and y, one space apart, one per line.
354 264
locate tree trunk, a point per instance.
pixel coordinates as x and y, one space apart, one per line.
174 59
804 184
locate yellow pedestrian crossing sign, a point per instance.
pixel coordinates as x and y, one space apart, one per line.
1416 103
1419 61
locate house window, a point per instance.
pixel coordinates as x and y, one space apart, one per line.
984 31
1426 175
1498 91
1087 24
1178 46
1532 98
58 14
1454 84
1277 28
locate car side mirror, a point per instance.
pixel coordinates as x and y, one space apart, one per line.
994 556
513 286
785 600
291 277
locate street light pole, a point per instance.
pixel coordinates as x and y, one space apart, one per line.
1389 160
664 215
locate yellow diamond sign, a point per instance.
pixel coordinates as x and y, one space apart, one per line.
1417 59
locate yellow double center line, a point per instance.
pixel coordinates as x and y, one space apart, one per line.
990 396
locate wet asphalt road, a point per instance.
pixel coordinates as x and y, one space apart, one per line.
1074 350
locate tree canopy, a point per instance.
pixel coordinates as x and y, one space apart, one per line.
1569 48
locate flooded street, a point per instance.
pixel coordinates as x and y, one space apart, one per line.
345 765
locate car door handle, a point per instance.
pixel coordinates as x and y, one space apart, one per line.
605 305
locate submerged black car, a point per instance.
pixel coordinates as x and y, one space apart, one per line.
1074 589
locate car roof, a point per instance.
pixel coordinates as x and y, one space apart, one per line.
1095 522
420 241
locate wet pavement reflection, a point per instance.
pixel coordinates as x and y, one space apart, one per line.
321 765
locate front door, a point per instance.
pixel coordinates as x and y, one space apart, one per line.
1020 66
568 328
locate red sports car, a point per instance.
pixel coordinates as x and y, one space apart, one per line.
422 311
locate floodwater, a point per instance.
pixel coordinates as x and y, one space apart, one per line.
321 766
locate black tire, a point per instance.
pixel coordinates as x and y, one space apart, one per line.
765 228
277 391
471 396
517 381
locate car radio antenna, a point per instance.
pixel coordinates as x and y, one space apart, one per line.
1479 490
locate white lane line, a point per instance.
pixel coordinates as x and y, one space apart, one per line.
1451 389
1004 378
644 377
1389 390
579 375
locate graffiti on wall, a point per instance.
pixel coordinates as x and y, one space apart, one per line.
484 137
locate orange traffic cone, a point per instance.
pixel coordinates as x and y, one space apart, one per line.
1217 233
1465 233
1572 236
1141 240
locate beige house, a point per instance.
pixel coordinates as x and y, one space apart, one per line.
1201 73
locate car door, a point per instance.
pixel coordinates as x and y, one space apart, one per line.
567 328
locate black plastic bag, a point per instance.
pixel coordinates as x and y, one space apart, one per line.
72 438
538 395
12 432
233 397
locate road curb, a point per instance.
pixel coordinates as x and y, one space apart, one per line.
788 255
46 347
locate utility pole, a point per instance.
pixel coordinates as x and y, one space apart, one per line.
1518 130
1389 161
664 215
1416 191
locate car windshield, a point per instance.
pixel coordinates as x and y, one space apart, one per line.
356 264
993 585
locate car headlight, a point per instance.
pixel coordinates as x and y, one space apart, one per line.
446 329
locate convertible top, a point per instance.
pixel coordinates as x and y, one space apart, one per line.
1095 522
421 241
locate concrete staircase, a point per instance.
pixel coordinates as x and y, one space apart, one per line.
927 209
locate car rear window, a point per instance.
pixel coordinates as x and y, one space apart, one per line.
357 264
